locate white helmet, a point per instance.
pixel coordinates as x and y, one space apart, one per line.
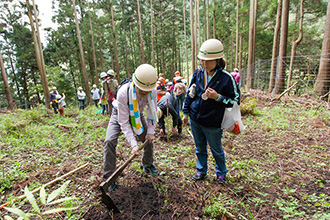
54 88
111 72
58 96
211 49
94 86
235 70
159 112
145 77
103 74
79 88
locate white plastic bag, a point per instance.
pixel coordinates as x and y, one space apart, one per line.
232 120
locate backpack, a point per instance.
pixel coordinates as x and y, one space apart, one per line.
123 82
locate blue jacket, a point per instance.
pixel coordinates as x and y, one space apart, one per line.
209 113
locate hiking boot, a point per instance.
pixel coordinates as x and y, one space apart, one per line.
151 170
199 176
221 180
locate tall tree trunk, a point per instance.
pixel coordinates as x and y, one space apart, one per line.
198 25
140 29
115 41
83 64
192 32
92 38
231 51
185 38
5 81
296 42
152 34
207 20
251 44
283 44
126 49
214 19
38 52
322 83
195 29
89 59
13 69
275 47
98 39
236 48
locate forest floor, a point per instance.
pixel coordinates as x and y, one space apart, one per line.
278 168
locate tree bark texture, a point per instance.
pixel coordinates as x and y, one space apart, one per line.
83 64
140 29
93 46
39 54
296 42
251 44
283 44
192 32
322 84
185 38
115 42
5 81
275 47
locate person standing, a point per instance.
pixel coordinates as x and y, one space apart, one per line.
61 103
81 98
215 90
127 117
168 105
95 95
53 100
109 85
236 76
179 92
104 103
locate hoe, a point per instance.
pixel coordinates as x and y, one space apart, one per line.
105 185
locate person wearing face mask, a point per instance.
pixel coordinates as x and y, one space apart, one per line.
212 90
127 117
109 84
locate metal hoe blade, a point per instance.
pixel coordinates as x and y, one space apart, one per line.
104 186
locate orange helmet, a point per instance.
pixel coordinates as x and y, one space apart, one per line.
162 79
177 73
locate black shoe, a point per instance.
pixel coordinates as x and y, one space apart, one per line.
199 176
151 170
221 179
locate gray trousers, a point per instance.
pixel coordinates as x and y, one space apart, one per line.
113 132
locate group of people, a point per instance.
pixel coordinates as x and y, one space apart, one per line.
203 103
211 90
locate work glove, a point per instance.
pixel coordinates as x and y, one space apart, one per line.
192 90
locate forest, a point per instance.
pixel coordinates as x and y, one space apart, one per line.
120 35
278 167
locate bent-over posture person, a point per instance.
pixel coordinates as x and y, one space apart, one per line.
127 117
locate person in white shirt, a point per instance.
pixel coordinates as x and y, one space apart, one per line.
81 97
127 117
96 95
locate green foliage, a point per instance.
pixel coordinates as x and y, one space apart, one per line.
249 106
45 206
220 205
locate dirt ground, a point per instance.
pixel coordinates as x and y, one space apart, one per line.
173 195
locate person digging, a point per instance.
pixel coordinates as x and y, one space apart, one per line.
168 105
127 117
